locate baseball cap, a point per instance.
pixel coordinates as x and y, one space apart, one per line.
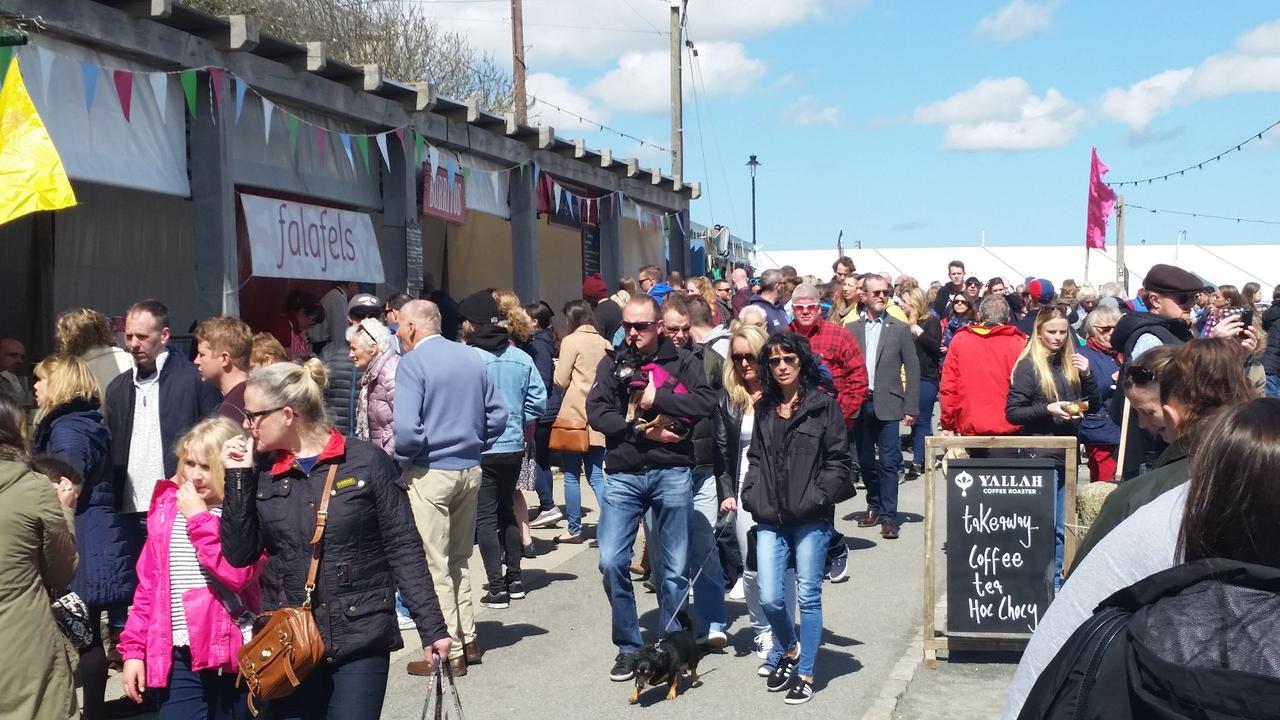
364 300
1041 290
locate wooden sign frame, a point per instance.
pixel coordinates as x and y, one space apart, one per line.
934 638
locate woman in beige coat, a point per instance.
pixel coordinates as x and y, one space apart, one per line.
37 552
580 353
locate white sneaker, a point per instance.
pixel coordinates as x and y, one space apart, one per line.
763 644
716 640
738 591
405 622
547 518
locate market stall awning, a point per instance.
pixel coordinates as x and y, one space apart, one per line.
289 239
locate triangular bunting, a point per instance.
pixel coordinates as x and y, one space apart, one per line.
89 74
124 90
240 90
160 89
419 146
34 178
293 133
346 147
5 53
215 81
381 139
321 143
188 78
555 197
450 169
433 157
46 58
362 146
268 107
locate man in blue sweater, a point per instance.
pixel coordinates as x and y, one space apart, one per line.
447 413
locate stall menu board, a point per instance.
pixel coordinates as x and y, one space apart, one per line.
1000 545
590 250
413 259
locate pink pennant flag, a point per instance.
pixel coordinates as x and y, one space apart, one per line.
321 142
124 90
215 79
1102 200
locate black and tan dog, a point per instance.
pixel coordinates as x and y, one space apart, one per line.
667 660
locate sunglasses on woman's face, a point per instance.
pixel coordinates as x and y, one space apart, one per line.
744 358
789 360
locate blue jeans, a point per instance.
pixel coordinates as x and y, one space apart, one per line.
881 478
628 496
352 690
572 464
924 420
1273 386
542 458
206 695
708 587
774 544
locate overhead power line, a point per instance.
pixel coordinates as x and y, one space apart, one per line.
1128 205
1200 165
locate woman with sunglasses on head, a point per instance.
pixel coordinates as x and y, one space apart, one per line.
371 347
1051 389
963 313
1099 433
798 468
275 479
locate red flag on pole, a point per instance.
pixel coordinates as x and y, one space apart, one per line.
1102 200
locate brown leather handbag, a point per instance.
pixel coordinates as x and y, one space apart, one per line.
286 644
569 435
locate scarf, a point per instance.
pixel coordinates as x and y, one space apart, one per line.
1105 350
362 403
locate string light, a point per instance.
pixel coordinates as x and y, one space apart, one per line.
598 124
1201 215
1199 165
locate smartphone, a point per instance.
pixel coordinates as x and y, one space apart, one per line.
1246 317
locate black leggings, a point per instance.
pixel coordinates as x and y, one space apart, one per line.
496 527
93 670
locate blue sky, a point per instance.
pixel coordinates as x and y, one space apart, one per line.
924 123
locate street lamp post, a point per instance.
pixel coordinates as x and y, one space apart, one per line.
753 164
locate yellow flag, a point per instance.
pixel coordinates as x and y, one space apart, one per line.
31 174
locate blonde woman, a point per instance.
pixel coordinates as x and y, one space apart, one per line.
87 334
512 316
1051 389
928 337
274 481
701 287
192 610
69 426
848 296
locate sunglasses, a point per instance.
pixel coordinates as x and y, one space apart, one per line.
1140 376
958 303
639 326
1102 329
877 293
806 308
743 357
253 417
673 329
789 360
368 334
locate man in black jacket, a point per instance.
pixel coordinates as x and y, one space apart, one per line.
948 292
649 457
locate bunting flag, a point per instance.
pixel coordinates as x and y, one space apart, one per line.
381 139
89 75
404 150
6 52
268 107
33 178
362 146
555 197
419 146
346 147
215 81
433 157
160 88
124 90
188 78
450 169
46 58
320 142
293 133
1102 200
241 87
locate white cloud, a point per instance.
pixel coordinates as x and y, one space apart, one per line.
1252 65
1003 114
807 112
559 91
1017 20
641 81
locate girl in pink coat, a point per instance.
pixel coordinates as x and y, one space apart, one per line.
192 610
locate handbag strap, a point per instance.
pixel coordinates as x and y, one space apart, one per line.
322 518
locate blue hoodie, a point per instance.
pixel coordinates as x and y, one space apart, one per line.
660 291
775 315
521 389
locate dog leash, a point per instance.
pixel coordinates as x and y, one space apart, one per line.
715 547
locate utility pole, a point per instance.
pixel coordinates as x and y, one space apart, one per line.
677 98
752 164
519 99
1121 275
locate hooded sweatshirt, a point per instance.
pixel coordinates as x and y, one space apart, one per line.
975 379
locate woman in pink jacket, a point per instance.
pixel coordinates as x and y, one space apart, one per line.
192 610
371 349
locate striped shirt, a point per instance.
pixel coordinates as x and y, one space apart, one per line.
185 574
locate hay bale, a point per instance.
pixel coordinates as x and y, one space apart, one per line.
1089 499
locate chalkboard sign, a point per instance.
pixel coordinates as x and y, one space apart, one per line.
590 250
413 259
1000 545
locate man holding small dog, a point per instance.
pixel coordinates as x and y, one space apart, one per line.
646 418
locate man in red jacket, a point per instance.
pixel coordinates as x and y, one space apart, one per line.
835 347
976 372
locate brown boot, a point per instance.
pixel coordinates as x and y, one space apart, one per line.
458 666
471 651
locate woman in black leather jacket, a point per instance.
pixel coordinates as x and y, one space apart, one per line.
369 548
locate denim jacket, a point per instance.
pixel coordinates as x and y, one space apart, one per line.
517 381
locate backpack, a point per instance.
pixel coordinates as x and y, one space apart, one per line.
1200 640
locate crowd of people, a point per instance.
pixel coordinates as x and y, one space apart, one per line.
167 498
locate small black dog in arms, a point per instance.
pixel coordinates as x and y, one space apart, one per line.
667 660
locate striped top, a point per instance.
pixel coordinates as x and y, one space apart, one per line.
185 574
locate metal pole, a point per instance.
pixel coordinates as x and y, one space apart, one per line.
1120 273
519 99
677 98
753 163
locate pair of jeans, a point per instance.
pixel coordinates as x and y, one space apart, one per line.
497 531
203 695
705 571
573 466
774 545
1273 386
924 420
668 491
351 690
880 477
542 459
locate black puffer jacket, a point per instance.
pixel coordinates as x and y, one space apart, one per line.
1271 356
370 546
799 468
1028 407
343 386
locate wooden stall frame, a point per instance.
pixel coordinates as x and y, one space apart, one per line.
935 640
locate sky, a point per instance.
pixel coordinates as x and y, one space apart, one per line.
920 124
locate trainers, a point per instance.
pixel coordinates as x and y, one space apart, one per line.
738 591
623 667
405 622
763 644
780 678
773 656
839 571
716 640
515 589
801 692
496 600
547 518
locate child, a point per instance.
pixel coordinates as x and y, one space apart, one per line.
192 610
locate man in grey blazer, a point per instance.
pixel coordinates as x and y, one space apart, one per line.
893 374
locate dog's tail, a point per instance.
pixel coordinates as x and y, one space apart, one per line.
683 617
